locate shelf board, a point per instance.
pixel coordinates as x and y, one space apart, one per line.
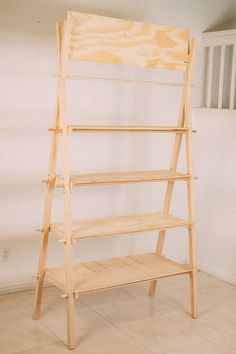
115 272
122 177
125 128
119 225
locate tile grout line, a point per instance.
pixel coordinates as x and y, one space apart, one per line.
118 328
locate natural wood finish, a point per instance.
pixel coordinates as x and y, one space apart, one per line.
125 81
121 129
96 38
127 128
49 197
122 177
67 190
189 164
110 273
120 225
115 41
184 120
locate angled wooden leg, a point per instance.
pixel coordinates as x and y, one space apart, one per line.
70 286
43 254
46 223
71 321
192 256
167 202
40 278
191 213
48 206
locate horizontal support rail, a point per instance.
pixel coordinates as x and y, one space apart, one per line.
122 129
126 81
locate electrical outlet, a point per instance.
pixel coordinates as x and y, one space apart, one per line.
5 254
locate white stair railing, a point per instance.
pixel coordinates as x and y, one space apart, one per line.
219 69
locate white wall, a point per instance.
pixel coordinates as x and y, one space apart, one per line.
28 63
216 192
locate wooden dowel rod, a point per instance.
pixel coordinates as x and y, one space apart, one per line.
175 84
114 129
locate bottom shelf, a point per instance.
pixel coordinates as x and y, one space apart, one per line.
105 274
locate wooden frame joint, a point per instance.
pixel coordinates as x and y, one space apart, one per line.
55 130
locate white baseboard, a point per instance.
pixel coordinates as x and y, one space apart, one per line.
217 273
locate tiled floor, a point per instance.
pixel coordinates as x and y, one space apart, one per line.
125 321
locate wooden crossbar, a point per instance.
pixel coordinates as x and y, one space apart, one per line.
125 81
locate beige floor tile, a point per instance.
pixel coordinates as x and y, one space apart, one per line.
161 301
11 310
112 341
86 322
51 300
23 335
112 296
128 311
209 325
227 344
204 348
162 335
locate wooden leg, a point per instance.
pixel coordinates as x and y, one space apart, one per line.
193 291
160 245
193 274
43 253
71 321
40 279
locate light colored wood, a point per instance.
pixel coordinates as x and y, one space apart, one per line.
110 273
115 41
67 190
48 199
184 120
120 129
123 81
189 164
127 128
122 177
170 184
83 39
120 225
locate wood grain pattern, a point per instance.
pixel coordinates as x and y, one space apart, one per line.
117 41
91 276
113 41
122 177
120 225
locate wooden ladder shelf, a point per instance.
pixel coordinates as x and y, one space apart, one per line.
165 48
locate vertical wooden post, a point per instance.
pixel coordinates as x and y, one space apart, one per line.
48 200
191 216
67 188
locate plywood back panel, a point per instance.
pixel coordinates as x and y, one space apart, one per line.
115 41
